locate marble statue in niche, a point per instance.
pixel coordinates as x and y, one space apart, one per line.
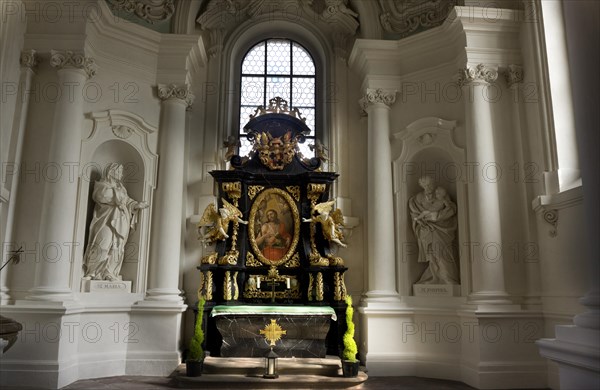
434 222
115 214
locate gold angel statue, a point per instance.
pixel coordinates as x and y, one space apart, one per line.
218 222
331 222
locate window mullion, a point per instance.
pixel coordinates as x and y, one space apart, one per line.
291 74
265 75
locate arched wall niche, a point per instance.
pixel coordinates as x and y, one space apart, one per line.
122 137
428 148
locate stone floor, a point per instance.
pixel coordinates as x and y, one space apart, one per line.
246 373
154 383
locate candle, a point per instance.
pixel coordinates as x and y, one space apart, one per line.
287 281
258 282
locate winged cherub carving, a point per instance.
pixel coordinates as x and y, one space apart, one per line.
215 223
331 222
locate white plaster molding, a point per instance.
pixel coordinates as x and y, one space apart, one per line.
335 20
549 206
67 59
159 57
467 36
477 74
123 121
29 59
513 75
406 18
4 195
377 96
184 19
561 200
178 56
152 11
173 91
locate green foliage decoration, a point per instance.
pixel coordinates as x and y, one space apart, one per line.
350 348
196 351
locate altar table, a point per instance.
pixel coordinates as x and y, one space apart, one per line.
301 330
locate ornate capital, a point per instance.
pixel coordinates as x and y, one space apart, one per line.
479 73
68 59
373 96
513 75
173 91
29 59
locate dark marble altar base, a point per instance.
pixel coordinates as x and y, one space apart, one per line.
305 337
247 373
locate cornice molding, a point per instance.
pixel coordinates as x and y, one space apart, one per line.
173 91
467 36
477 74
66 59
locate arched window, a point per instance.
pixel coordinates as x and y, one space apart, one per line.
278 67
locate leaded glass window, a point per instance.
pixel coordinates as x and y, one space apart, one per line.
278 67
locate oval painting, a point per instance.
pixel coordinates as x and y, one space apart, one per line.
274 226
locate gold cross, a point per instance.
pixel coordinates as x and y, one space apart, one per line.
273 332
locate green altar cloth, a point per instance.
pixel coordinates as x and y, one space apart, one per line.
273 310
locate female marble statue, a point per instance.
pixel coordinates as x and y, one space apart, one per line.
434 223
115 213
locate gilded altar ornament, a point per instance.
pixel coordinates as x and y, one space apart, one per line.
316 259
331 222
233 190
314 192
273 273
227 293
311 286
236 288
273 332
254 190
294 262
339 290
217 223
335 261
251 261
230 257
294 191
206 284
211 258
275 152
319 287
277 105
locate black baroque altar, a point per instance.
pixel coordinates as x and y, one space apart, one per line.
273 230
